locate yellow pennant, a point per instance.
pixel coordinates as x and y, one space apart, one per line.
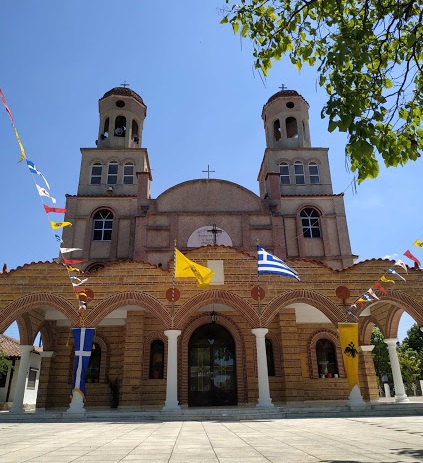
20 145
348 335
386 280
56 225
418 243
72 269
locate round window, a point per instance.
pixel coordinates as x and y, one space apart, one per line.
290 104
120 103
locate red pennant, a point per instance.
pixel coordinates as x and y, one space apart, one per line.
410 256
59 210
72 261
7 107
380 287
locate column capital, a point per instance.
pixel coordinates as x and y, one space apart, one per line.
391 341
367 348
26 349
260 332
172 334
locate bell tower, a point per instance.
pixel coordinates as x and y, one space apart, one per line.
122 114
295 182
111 169
285 117
114 182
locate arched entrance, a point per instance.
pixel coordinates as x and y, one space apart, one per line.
211 367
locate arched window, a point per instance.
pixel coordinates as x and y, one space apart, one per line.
134 134
106 128
270 358
291 127
326 358
103 224
277 130
93 371
310 223
299 173
128 173
120 126
313 170
94 267
112 173
157 359
96 170
284 173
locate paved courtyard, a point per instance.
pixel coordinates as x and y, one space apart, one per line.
398 439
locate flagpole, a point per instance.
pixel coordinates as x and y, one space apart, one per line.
258 291
172 311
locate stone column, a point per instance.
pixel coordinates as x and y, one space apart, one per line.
400 395
264 400
172 371
367 374
46 361
18 396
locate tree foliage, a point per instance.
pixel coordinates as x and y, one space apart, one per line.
369 55
380 354
414 342
4 363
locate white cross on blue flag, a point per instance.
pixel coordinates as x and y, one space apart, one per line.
270 264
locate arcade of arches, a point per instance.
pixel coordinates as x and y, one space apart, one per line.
218 360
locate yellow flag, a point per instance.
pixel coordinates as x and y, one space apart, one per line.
418 243
186 268
20 145
56 225
348 335
386 280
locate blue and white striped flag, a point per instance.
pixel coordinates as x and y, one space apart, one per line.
83 338
270 264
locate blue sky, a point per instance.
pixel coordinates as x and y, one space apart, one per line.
204 104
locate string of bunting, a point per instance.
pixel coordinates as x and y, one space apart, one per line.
386 278
85 295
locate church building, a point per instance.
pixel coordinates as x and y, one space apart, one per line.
244 339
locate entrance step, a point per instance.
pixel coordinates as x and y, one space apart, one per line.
236 413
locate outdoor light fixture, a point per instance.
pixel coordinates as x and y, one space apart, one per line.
213 316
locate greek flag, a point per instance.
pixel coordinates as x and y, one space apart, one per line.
270 264
83 338
34 170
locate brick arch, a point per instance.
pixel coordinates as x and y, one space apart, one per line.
47 335
24 328
365 331
155 335
317 300
31 301
112 303
332 336
240 358
401 302
217 296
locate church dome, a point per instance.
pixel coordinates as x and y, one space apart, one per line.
122 91
284 93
